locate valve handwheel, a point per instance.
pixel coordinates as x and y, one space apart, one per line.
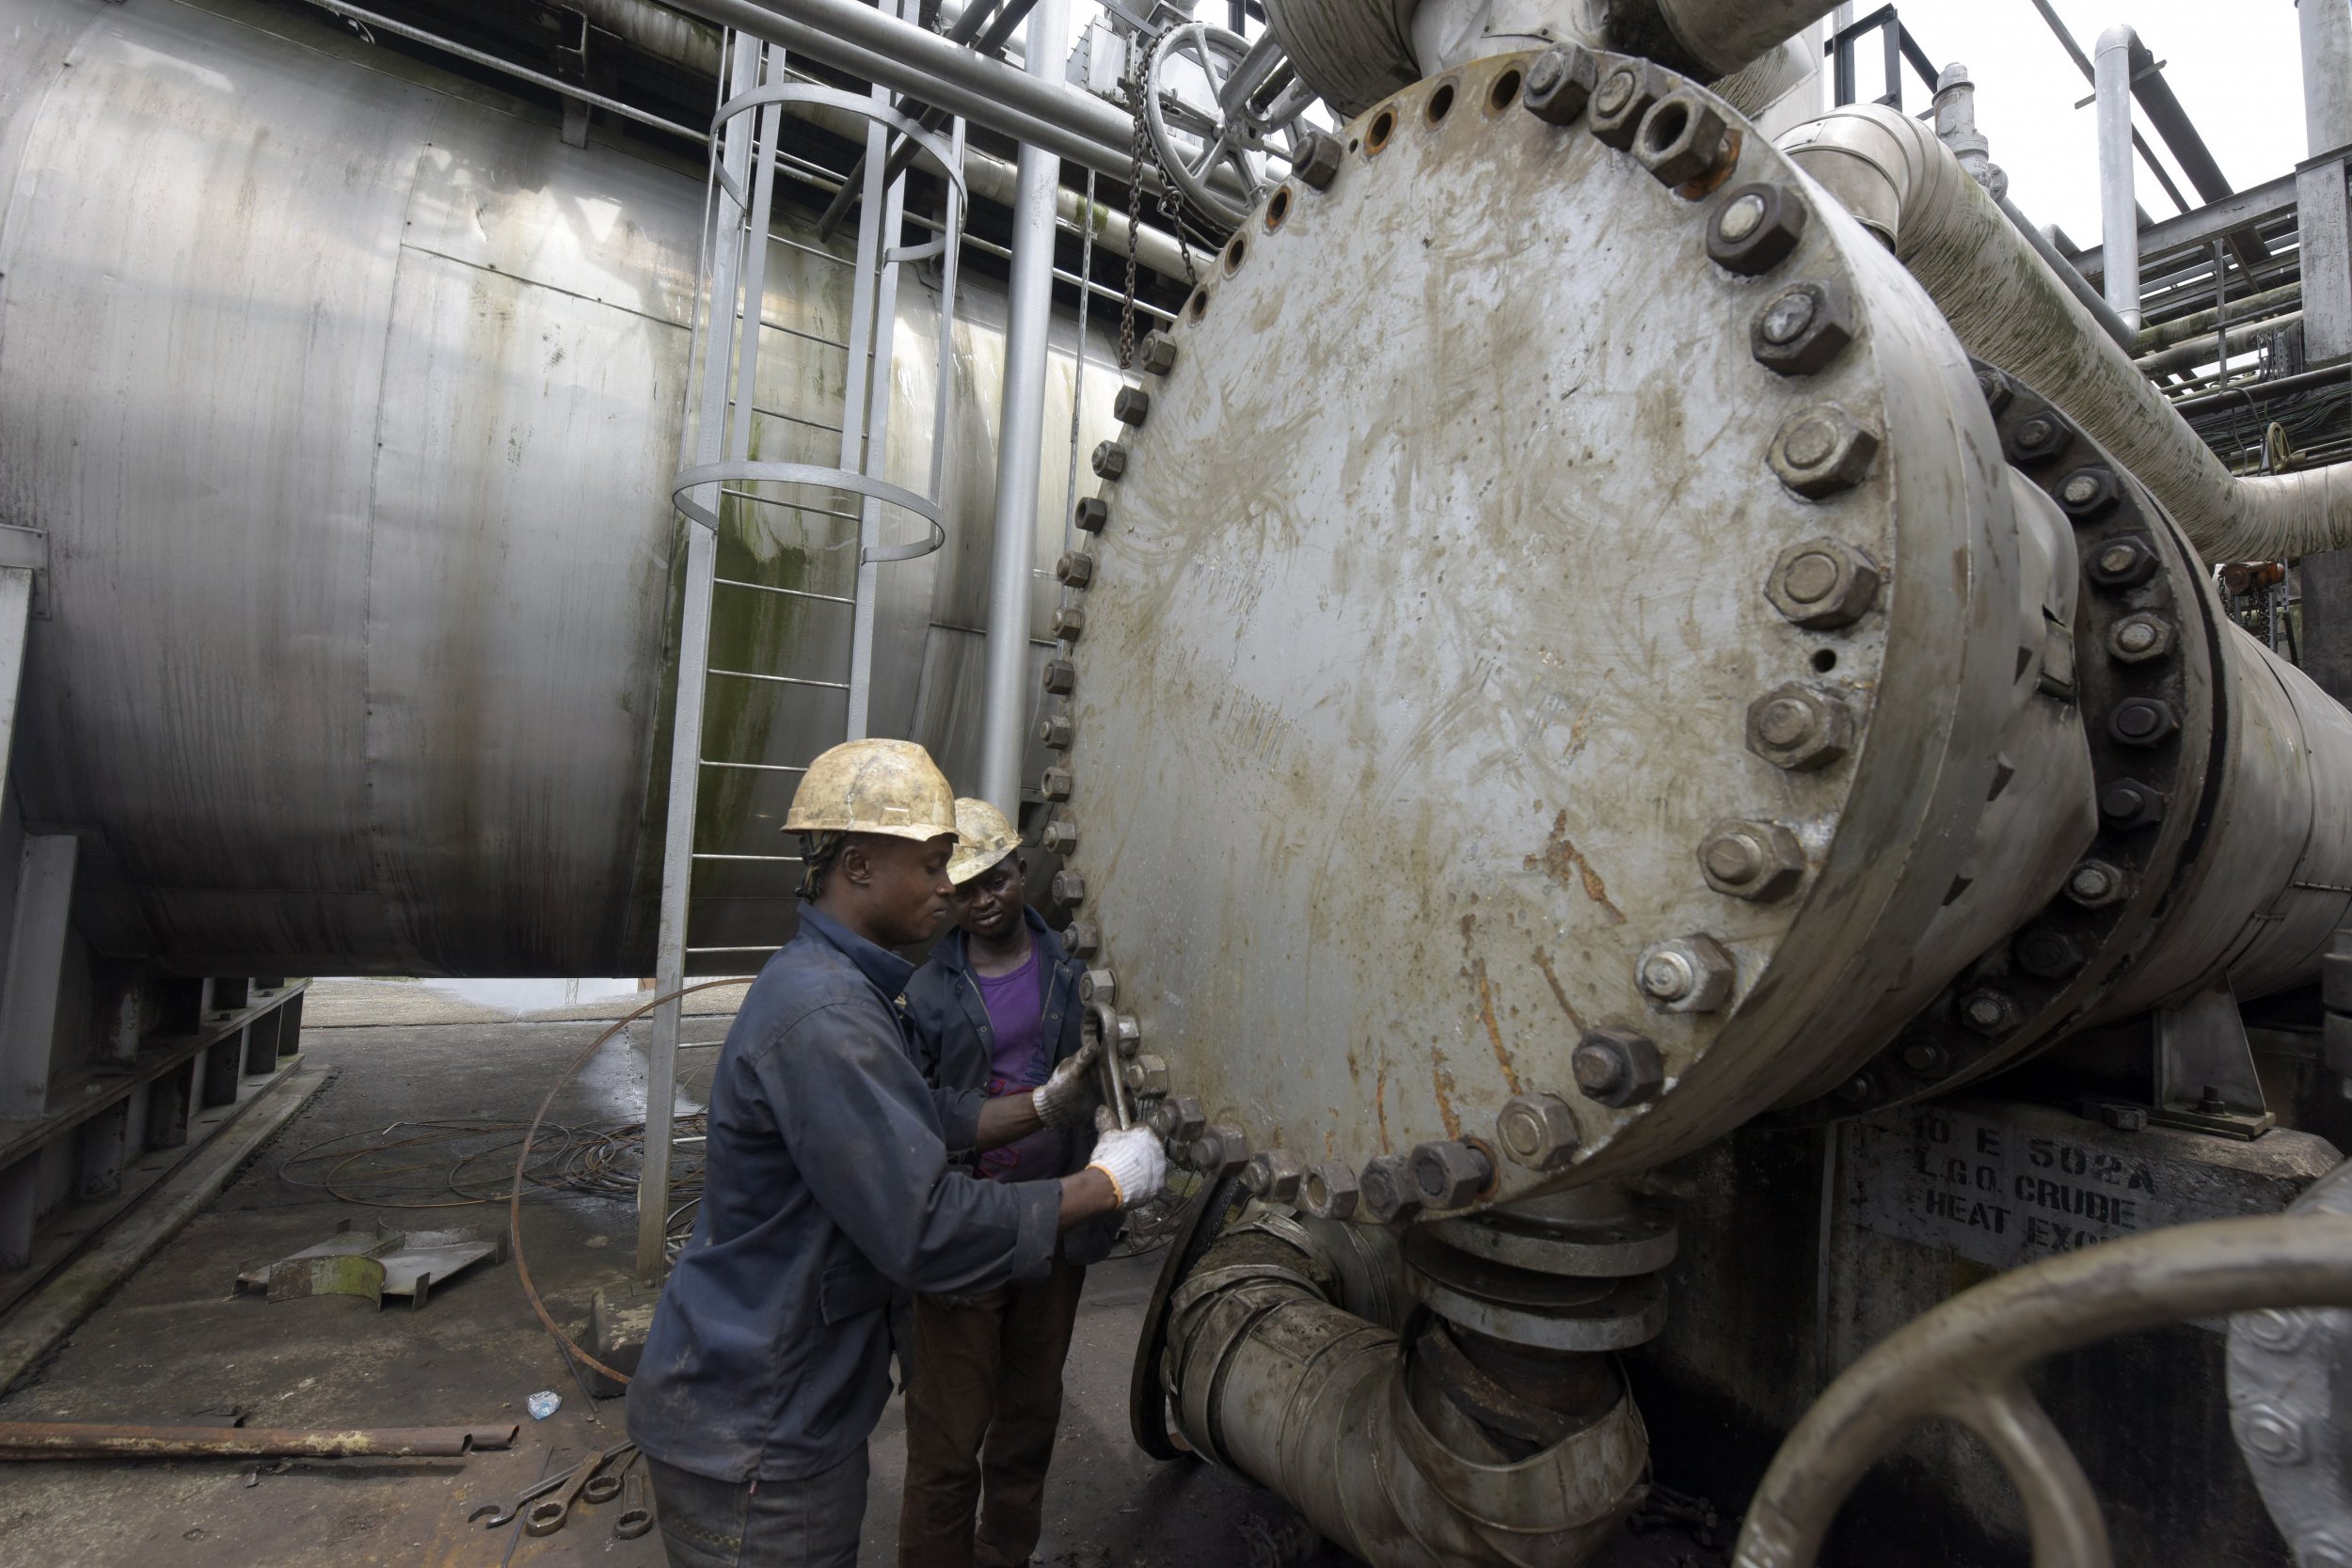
1201 93
1965 1362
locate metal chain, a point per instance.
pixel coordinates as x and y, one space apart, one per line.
1133 85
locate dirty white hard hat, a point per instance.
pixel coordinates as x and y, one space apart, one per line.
986 838
874 786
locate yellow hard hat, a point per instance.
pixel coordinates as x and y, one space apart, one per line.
986 838
874 786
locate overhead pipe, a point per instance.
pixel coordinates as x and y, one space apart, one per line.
2119 207
2011 310
1021 442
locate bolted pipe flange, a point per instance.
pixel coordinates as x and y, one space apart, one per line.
1823 452
1274 1176
1823 583
1075 569
1069 888
1110 460
1091 515
1620 100
2129 803
1098 984
1617 1067
1686 975
1318 161
1061 836
1220 1150
1385 1190
1750 859
1800 727
1070 623
1147 1076
1056 731
1989 1012
1803 329
1054 784
2046 953
2124 561
1329 1190
2142 721
1560 84
2087 493
1131 406
2039 438
1537 1131
1756 228
1083 937
1061 677
1683 138
2137 639
1450 1174
2097 884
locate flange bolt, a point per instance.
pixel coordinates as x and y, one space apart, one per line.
1069 888
1537 1131
1317 163
1687 975
2096 885
1329 1190
1800 727
1822 451
1987 1012
1450 1174
1385 1190
1061 836
1083 937
1624 96
1750 859
1823 583
1925 1058
1220 1150
1274 1175
1560 84
1110 461
2137 639
1756 229
1803 329
2142 720
1617 1067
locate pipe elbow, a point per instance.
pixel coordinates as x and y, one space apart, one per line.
1871 159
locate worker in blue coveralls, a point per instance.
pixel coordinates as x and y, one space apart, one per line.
997 1011
828 1192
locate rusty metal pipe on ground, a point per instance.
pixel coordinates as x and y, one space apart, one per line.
21 1440
2007 307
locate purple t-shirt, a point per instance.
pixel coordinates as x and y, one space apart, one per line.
1019 1060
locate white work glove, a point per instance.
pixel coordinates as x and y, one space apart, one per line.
1132 1158
1063 1097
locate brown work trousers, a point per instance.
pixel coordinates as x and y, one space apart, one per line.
983 1403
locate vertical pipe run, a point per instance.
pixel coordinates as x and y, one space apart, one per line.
2118 209
693 658
2325 26
1020 443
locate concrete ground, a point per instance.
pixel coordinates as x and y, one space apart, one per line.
176 1340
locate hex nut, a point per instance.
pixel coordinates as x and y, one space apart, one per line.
1858 1088
2088 492
1187 1120
1220 1150
1800 727
1750 859
2142 721
2038 437
1083 937
1054 784
1098 984
1683 138
1756 228
2124 561
1075 569
1132 405
1617 1067
1318 161
1061 677
2137 639
1560 84
1329 1190
1538 1130
1061 836
1161 1118
1823 583
1450 1174
1686 975
1619 104
1110 460
2096 885
1056 731
1925 1058
1385 1190
2129 803
2046 953
1274 1175
1997 388
1822 451
1092 514
1803 329
1987 1012
1069 888
1147 1076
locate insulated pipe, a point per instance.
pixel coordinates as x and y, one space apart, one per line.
2009 309
2119 207
1723 36
1020 451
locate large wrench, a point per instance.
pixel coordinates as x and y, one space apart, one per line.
547 1516
497 1514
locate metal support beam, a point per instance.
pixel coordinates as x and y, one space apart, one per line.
2324 233
2119 211
28 989
1020 447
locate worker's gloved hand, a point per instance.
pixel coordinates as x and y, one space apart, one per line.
1063 1097
1132 1158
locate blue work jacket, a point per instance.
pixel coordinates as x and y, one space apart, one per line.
827 1191
955 1045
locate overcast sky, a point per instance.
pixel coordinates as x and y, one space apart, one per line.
2234 64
